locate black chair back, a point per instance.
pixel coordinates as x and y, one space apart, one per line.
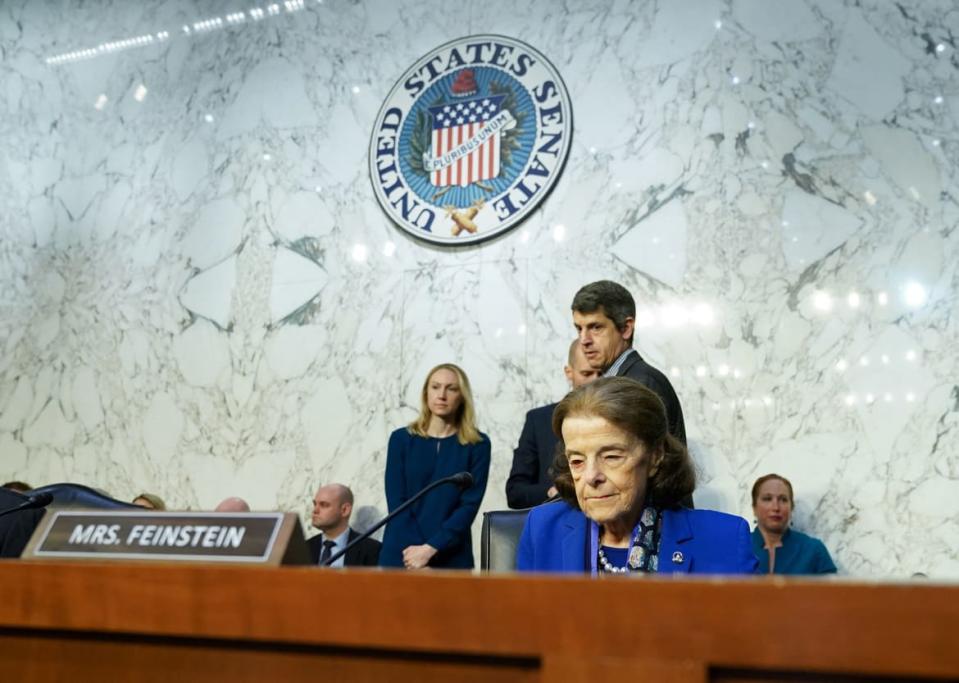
500 539
67 495
15 527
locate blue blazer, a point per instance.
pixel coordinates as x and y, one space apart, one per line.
555 539
799 554
444 516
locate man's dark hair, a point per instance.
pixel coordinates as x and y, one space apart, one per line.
608 297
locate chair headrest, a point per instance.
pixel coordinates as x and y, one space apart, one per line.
500 537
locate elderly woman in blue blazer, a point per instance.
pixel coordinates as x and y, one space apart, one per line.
621 476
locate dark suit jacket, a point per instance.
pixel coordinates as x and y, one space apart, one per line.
366 553
529 479
555 539
644 373
15 529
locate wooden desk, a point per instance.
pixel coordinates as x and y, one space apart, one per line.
103 622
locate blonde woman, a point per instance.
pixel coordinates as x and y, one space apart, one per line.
443 440
150 501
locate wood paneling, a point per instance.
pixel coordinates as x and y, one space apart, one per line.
500 627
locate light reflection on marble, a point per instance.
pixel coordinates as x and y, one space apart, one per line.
200 297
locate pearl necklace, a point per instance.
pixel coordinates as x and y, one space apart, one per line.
607 565
609 568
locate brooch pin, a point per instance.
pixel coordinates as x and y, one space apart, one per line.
636 557
677 557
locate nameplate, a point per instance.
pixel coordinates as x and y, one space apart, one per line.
250 537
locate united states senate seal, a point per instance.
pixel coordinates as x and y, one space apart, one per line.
470 140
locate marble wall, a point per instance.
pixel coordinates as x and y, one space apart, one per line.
200 297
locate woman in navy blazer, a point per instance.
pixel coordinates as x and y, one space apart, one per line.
621 476
443 440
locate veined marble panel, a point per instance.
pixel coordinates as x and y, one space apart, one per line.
200 297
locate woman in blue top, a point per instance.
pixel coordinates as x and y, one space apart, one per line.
782 550
443 440
622 477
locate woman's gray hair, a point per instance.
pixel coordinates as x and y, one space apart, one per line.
636 410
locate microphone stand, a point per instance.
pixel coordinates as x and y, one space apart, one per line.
38 501
457 479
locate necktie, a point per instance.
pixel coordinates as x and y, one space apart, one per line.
327 551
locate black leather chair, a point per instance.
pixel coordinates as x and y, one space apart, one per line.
67 495
500 539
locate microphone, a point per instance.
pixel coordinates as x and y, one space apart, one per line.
462 479
36 500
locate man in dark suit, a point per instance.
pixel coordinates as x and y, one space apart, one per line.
604 315
332 507
529 482
16 528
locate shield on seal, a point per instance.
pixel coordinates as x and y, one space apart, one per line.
465 140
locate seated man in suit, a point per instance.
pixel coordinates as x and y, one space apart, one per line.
332 507
529 483
604 315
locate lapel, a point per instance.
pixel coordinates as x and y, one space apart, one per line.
630 361
573 547
315 544
786 553
675 549
348 559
